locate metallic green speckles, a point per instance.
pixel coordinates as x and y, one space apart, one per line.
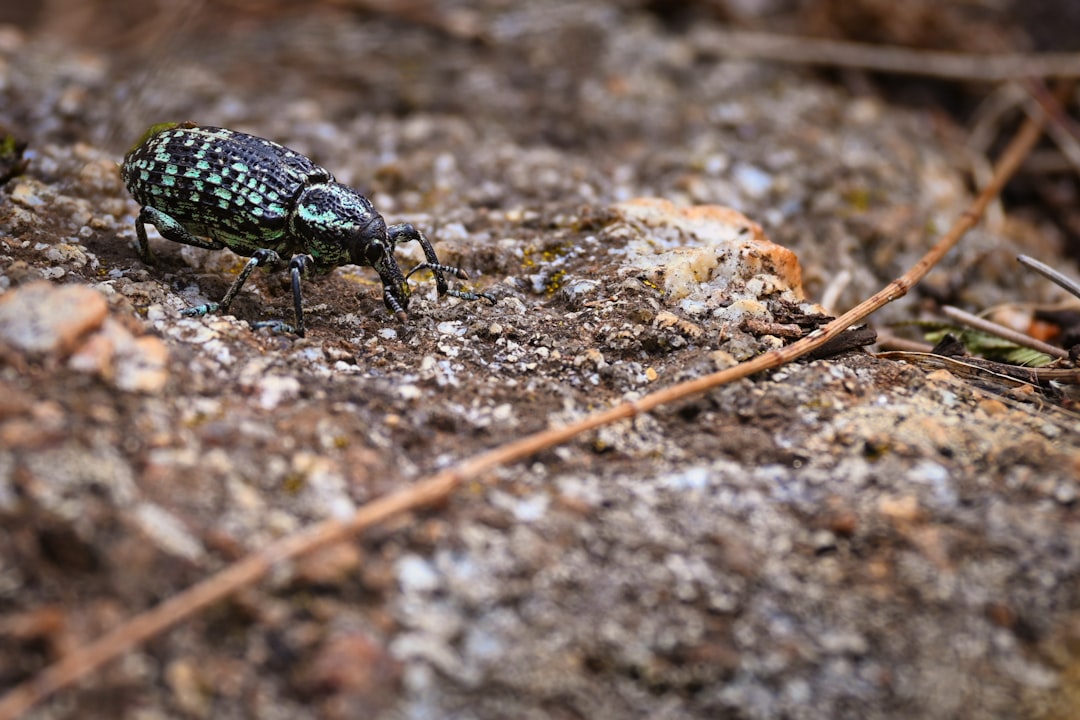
317 215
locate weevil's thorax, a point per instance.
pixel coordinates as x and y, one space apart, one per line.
337 225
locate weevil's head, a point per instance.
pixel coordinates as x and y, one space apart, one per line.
337 226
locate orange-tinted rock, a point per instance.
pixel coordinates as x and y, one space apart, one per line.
41 318
710 245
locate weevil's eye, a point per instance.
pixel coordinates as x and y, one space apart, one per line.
375 253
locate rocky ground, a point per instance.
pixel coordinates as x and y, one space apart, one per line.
853 537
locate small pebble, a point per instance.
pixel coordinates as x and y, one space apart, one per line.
416 575
41 318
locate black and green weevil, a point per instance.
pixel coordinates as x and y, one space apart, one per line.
215 188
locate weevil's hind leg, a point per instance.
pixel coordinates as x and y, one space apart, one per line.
170 229
260 257
404 232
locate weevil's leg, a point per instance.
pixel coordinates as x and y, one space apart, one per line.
170 229
403 232
469 295
259 257
456 272
277 326
439 268
298 269
393 305
144 244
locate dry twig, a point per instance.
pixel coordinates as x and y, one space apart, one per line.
891 59
249 570
1060 127
992 328
1061 279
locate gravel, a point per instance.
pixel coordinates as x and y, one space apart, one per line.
853 537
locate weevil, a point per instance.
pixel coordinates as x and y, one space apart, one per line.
215 188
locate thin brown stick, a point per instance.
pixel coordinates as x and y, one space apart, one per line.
976 371
888 340
1059 278
1005 333
82 661
891 59
1059 126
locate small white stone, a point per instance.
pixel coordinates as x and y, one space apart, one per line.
273 389
416 575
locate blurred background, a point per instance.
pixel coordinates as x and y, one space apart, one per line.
639 92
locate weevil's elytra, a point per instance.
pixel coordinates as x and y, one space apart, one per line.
215 188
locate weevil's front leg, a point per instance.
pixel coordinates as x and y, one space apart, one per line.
438 269
404 232
259 257
170 229
394 305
